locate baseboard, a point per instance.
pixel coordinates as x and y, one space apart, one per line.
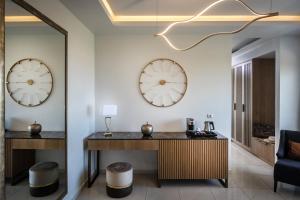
76 194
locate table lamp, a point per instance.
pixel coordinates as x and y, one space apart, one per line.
108 111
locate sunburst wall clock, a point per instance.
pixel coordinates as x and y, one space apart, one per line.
29 82
163 82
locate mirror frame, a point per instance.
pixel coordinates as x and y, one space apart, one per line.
2 104
51 23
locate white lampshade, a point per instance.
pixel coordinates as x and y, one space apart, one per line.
109 110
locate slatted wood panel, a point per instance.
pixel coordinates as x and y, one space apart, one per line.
239 104
233 104
193 159
248 104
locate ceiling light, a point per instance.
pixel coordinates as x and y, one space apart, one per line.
257 16
22 19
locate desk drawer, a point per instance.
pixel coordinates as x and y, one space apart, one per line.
123 144
37 144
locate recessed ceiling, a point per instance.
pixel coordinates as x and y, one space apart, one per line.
19 20
15 13
93 16
189 7
125 11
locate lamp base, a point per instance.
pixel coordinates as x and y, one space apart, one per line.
108 134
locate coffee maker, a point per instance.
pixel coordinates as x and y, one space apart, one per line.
190 124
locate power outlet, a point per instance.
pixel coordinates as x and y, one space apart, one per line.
209 116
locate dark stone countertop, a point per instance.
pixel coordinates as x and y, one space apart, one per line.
42 135
155 136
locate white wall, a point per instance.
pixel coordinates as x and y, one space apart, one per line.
81 57
290 83
49 48
119 62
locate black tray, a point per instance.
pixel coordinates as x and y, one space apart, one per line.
196 134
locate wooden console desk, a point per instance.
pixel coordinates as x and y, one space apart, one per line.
179 157
20 149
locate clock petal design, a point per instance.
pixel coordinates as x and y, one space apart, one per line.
29 82
163 82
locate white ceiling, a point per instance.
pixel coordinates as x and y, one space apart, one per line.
12 9
91 13
189 7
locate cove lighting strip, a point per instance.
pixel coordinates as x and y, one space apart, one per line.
257 15
171 18
22 19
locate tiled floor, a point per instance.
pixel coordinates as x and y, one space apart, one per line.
249 179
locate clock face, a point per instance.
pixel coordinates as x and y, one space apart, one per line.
29 82
163 82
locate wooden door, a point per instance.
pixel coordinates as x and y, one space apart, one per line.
264 91
247 104
238 90
233 76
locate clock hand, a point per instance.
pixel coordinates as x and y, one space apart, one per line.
30 82
175 82
16 82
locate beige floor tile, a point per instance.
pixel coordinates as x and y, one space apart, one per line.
257 194
268 180
229 194
163 194
196 194
288 192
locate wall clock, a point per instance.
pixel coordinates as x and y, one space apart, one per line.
163 82
29 82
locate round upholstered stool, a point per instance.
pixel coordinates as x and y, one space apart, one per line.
119 179
43 178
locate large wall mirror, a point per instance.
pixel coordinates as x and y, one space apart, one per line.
35 104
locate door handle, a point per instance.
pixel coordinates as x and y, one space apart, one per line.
244 107
234 106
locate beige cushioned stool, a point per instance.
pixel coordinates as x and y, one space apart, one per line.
43 178
119 181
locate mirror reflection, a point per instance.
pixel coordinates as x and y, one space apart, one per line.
34 107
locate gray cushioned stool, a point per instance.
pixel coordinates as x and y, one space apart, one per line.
119 179
43 178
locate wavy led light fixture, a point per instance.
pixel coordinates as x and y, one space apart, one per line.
258 17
